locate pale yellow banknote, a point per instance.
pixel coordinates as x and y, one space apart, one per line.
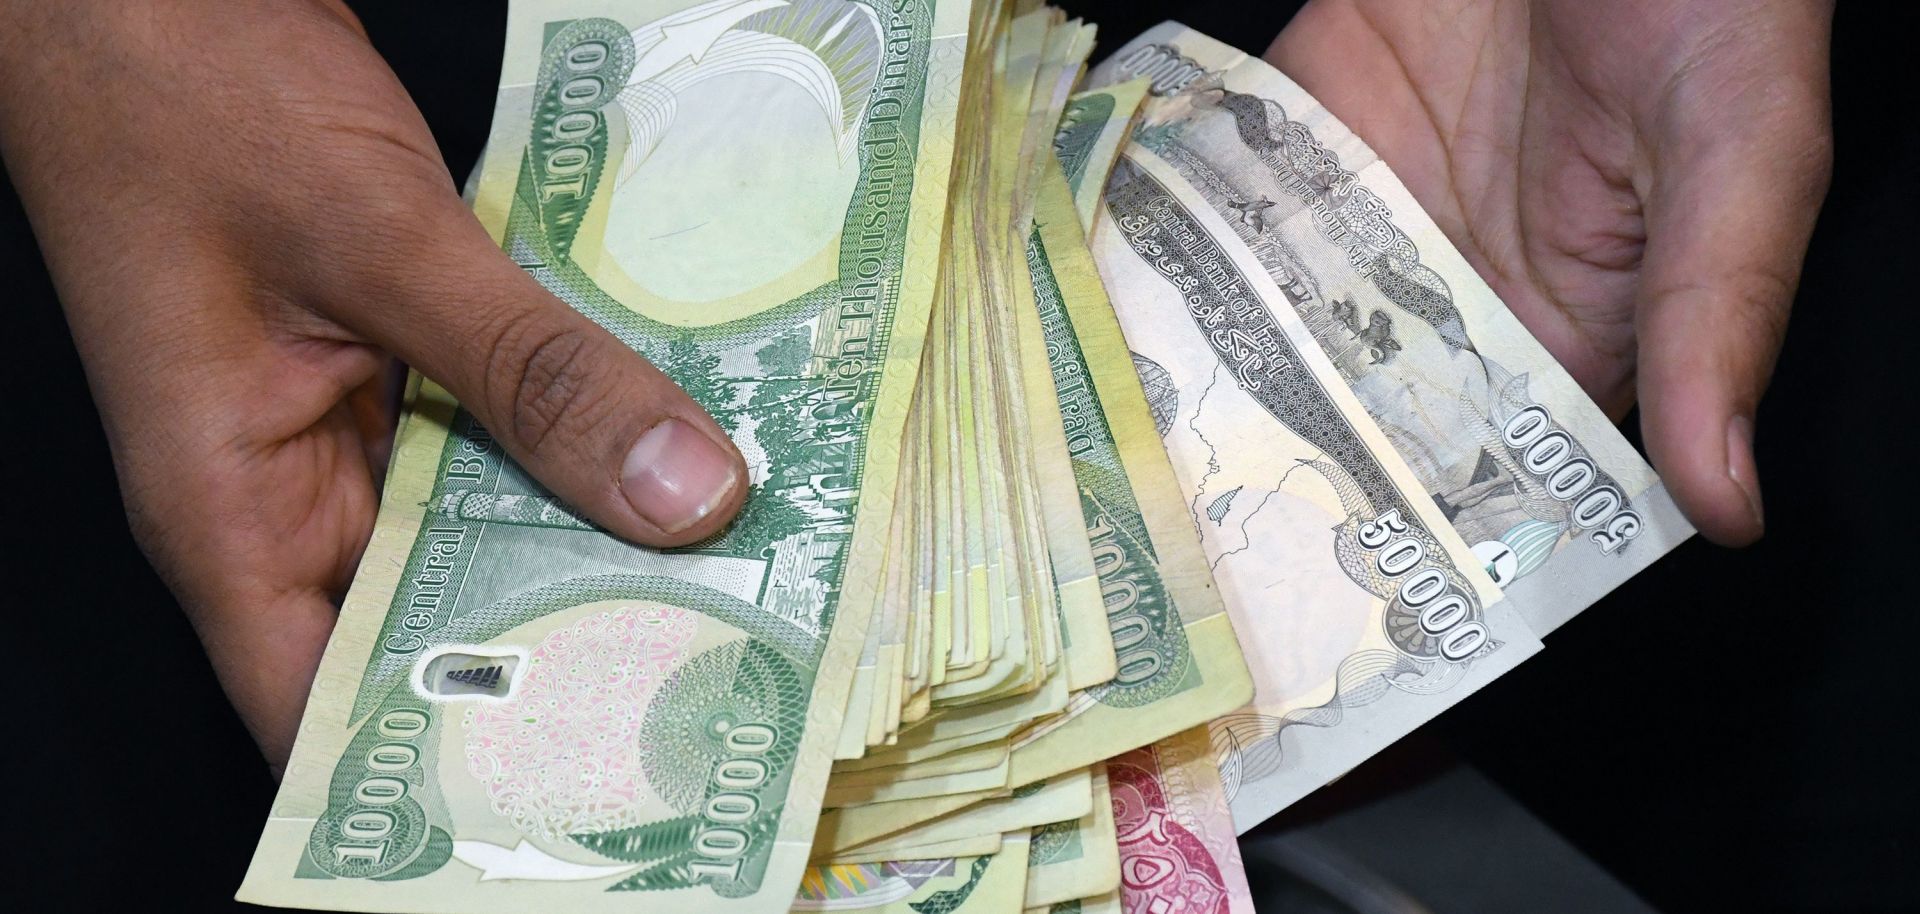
518 712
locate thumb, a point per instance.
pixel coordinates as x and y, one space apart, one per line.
1728 219
595 422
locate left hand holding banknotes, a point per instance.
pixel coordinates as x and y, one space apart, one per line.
245 214
1637 180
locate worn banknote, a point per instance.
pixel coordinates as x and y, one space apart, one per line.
1093 128
1177 844
1554 501
1179 662
518 712
1054 799
983 884
1360 610
1098 904
1077 858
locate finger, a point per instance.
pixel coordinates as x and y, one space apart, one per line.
1728 220
592 420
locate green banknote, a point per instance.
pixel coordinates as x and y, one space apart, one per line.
1093 128
1178 662
518 712
1110 903
971 846
1078 858
1055 799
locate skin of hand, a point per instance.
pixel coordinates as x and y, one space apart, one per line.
1637 179
247 219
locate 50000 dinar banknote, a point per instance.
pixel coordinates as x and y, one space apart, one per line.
1554 501
1360 611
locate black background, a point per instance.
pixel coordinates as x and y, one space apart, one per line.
1731 728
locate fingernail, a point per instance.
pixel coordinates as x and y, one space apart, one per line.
1741 468
674 476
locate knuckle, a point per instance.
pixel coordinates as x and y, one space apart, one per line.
553 389
1759 302
1770 312
1763 297
1752 305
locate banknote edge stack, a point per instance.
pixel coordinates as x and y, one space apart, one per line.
919 807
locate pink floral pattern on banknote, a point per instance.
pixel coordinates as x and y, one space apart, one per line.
1178 852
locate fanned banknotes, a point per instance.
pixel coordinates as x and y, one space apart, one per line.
983 884
1362 612
1063 411
1077 858
1433 423
1158 641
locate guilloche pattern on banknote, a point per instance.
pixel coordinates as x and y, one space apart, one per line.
1178 850
521 713
1077 858
1552 498
1255 356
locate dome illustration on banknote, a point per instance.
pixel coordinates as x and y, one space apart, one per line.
733 152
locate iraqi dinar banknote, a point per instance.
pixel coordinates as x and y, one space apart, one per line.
518 712
1361 612
983 884
1176 841
1078 858
1556 503
1093 128
1178 660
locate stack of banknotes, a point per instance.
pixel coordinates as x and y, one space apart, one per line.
1130 456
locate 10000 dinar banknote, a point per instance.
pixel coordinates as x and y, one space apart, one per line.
1093 128
1554 501
1078 858
518 712
1179 662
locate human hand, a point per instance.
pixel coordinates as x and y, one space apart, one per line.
244 215
1637 180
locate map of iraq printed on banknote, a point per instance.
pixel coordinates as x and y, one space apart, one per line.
1318 355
